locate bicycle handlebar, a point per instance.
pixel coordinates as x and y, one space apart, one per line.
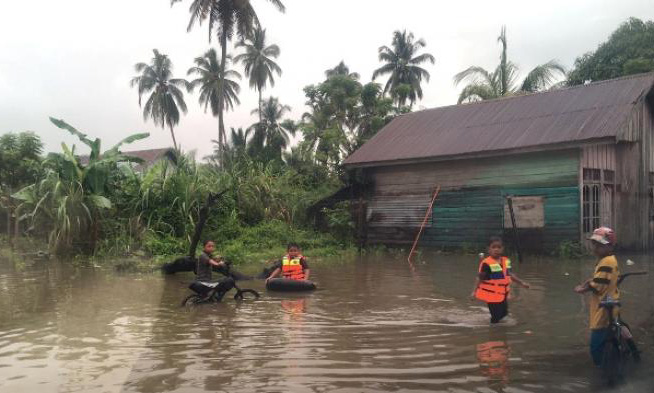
625 275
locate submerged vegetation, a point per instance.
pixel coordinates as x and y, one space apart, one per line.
110 203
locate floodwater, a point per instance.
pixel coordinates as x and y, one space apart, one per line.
374 325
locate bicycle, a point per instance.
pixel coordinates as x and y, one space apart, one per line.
616 349
213 292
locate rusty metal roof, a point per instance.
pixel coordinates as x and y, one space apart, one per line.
149 157
571 115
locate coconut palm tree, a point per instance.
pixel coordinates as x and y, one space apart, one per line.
226 17
341 69
210 82
274 131
166 98
258 61
403 65
485 85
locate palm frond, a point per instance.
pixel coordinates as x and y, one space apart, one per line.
542 76
476 92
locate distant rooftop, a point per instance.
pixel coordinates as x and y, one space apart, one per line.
571 115
149 157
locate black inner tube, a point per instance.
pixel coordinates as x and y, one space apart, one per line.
241 294
287 285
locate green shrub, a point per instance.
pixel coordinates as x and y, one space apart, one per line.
571 250
164 244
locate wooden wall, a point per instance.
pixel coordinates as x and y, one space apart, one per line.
635 162
470 207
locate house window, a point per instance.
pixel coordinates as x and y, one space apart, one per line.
609 177
597 198
591 201
592 175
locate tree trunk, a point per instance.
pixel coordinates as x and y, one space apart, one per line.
172 133
202 219
16 223
259 104
221 96
9 239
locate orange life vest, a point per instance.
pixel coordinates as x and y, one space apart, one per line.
496 288
292 268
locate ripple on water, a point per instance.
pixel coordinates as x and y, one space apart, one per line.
377 328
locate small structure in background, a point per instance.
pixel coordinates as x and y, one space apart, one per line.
571 160
149 157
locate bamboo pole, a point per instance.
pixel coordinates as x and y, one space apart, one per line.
516 238
424 222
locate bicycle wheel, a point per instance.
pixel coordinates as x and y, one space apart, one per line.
242 294
612 361
192 300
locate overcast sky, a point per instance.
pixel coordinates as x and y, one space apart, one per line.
73 59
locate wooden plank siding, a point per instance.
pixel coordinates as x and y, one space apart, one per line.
635 162
599 157
470 207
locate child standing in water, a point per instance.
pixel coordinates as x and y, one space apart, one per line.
493 282
604 283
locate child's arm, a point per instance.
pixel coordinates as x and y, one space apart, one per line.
583 288
519 281
305 268
217 264
478 280
274 274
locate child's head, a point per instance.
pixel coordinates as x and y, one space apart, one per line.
495 246
209 246
603 241
293 249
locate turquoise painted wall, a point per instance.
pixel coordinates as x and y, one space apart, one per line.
467 214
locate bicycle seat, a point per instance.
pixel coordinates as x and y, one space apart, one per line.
209 284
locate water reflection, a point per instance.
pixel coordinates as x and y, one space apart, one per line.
375 326
493 358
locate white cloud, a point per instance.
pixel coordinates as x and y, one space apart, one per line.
73 59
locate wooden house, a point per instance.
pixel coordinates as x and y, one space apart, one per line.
571 160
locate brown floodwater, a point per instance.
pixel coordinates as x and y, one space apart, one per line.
374 325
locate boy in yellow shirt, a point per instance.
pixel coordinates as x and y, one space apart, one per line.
603 284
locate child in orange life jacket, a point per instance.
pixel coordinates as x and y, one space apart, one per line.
293 266
493 282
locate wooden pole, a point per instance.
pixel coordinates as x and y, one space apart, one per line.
202 219
424 222
516 238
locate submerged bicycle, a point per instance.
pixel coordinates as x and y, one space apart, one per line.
213 292
619 346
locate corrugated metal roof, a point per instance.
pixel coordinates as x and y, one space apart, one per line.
576 114
149 156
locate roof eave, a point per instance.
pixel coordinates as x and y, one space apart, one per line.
484 154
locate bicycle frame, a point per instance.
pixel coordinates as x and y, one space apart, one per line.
615 349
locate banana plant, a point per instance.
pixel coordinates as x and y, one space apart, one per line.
72 197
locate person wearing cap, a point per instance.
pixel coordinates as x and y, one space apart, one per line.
603 283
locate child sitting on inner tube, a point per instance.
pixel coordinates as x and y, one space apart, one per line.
493 282
293 265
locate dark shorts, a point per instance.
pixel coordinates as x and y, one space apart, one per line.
597 339
498 311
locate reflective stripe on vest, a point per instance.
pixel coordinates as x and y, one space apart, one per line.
495 289
292 268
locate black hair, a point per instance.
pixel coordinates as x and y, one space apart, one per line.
292 244
204 244
495 239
